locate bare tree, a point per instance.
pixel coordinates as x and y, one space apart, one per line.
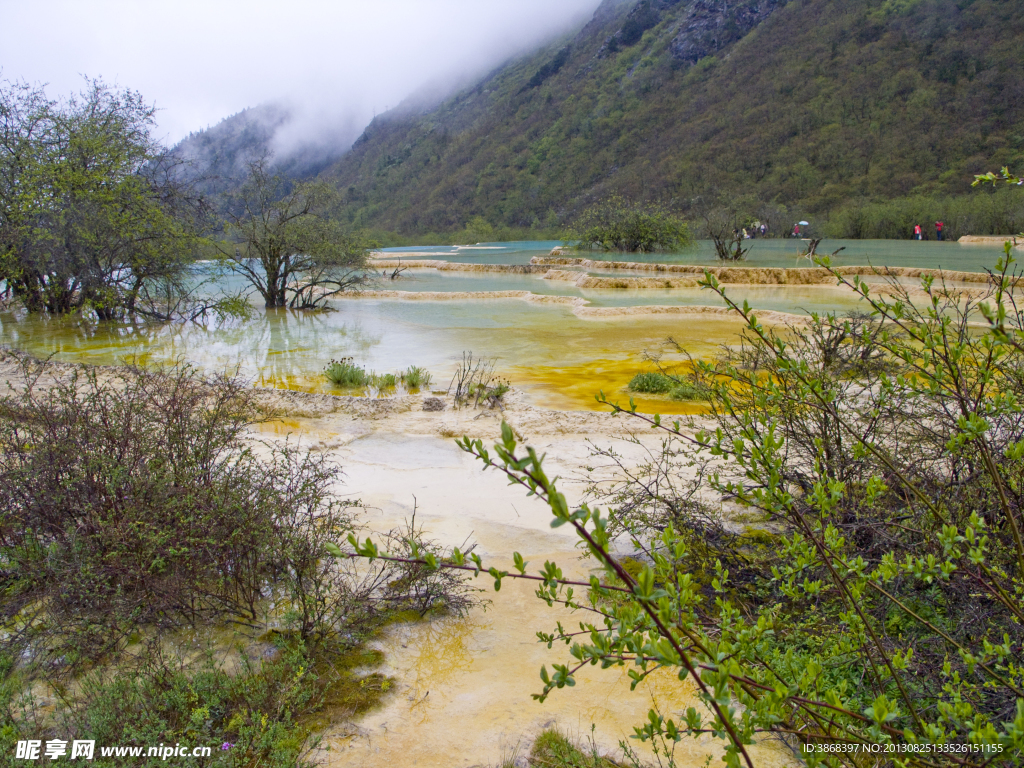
723 228
286 245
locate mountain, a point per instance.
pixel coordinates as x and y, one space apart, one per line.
219 154
811 105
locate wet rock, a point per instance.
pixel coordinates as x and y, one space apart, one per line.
708 26
434 404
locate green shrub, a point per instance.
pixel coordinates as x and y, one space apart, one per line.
345 373
651 382
621 225
688 390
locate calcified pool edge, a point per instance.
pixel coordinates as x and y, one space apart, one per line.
885 280
579 305
739 274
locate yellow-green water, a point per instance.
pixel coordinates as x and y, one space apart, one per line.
560 360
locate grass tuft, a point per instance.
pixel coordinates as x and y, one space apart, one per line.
416 378
558 750
662 384
345 373
382 380
652 383
688 390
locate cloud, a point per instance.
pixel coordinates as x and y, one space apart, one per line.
335 63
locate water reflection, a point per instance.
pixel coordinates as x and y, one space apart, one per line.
283 348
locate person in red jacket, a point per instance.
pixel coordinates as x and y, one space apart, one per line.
939 226
917 232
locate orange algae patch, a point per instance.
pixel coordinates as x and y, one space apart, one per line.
574 386
282 426
297 383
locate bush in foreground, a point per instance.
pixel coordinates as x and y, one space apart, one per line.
141 521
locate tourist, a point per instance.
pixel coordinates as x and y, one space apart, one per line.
796 230
917 232
764 229
939 226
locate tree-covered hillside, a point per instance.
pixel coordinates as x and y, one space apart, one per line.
814 105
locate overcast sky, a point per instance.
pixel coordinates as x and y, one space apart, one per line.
336 61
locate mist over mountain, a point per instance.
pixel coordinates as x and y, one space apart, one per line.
808 104
403 53
219 155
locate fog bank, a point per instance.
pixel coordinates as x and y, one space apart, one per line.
333 65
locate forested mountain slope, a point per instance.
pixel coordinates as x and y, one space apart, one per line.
811 104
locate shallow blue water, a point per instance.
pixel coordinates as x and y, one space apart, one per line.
798 299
